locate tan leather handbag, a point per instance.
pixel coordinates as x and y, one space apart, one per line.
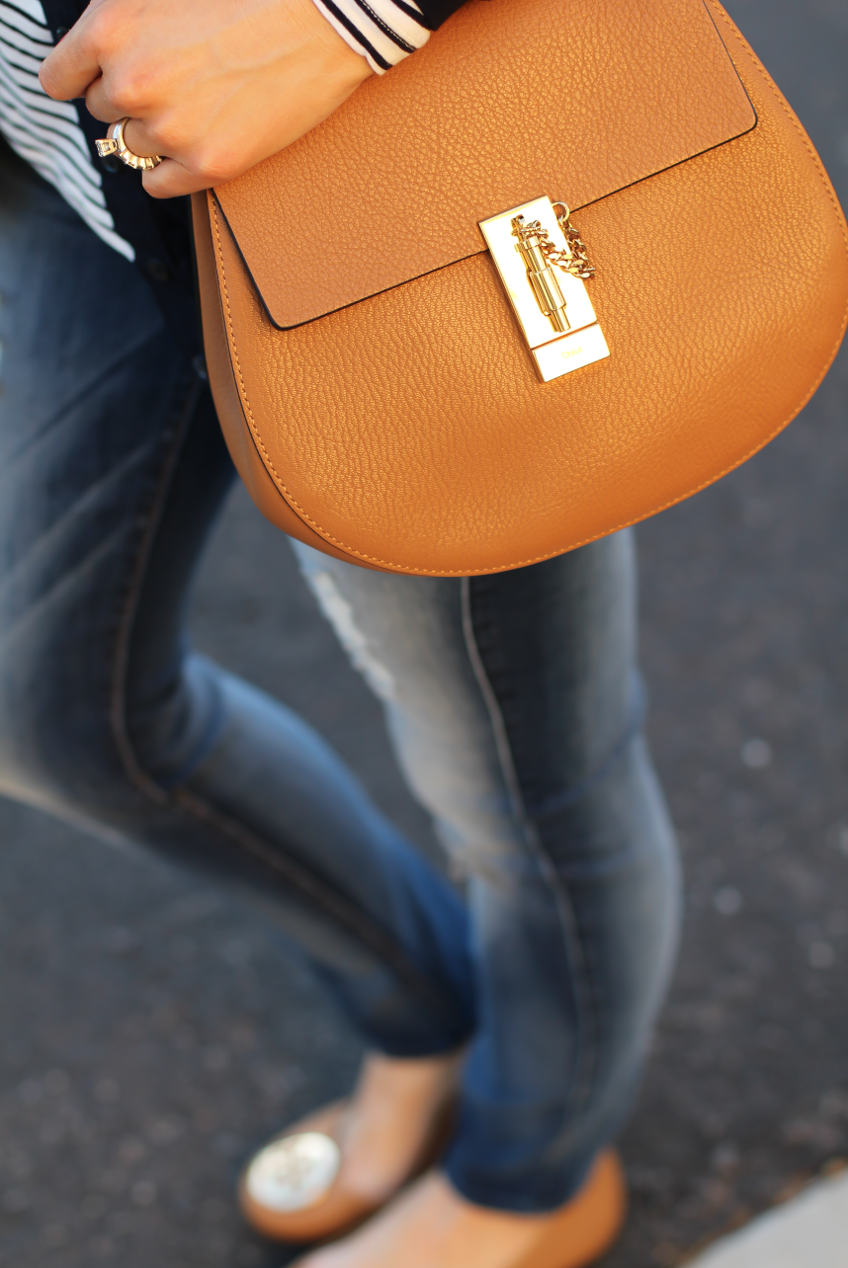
414 369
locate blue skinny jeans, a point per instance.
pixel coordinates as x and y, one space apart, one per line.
513 702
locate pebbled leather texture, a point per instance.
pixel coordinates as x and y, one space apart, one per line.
231 415
409 431
515 98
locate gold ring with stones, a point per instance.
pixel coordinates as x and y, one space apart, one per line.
114 143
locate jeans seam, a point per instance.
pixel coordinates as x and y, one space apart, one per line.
310 884
586 1009
542 810
120 662
300 877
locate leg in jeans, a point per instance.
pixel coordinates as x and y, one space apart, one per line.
515 709
511 700
112 469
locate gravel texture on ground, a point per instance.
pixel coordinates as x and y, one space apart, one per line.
153 1031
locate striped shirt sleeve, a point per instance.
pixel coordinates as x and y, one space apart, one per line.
381 31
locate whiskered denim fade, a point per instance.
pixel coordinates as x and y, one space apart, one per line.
513 703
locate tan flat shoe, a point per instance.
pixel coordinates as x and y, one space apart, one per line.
587 1226
433 1226
294 1189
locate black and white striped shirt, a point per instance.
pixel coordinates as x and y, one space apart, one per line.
44 132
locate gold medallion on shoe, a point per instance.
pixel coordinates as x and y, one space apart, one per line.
296 1188
114 143
293 1173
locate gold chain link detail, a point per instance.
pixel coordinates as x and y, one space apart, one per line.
575 260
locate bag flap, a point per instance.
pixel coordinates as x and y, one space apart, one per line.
510 100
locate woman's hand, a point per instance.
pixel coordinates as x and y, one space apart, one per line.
216 85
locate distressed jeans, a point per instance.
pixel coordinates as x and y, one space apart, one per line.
513 703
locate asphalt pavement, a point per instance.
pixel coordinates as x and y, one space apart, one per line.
153 1030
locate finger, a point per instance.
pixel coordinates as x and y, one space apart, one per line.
99 102
140 139
189 172
107 101
171 180
72 65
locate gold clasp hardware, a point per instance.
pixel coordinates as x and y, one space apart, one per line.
531 247
543 265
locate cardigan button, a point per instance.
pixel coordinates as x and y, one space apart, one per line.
158 270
